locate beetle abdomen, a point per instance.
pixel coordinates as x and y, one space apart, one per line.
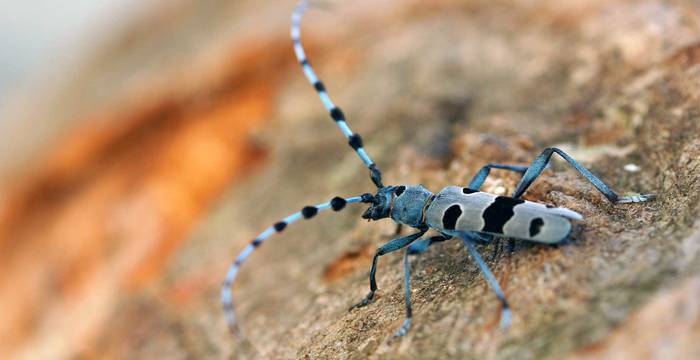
463 209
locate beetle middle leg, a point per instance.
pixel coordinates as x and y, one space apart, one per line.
484 172
416 248
506 314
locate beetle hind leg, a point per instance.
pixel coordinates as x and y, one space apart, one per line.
540 163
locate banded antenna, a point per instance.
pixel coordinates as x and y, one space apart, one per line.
307 212
354 139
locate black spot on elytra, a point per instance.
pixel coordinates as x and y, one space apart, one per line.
256 242
338 203
452 214
535 226
309 211
399 190
498 213
280 226
469 191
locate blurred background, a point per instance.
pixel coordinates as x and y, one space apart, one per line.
43 43
39 29
35 30
104 105
142 145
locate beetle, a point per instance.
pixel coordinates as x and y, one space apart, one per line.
463 212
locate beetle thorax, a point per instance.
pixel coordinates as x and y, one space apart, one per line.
409 204
405 204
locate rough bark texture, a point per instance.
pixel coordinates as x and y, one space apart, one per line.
438 89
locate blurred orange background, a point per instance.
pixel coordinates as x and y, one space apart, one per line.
139 133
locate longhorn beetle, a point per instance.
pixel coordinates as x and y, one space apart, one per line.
455 211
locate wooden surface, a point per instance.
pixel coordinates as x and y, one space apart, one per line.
116 243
